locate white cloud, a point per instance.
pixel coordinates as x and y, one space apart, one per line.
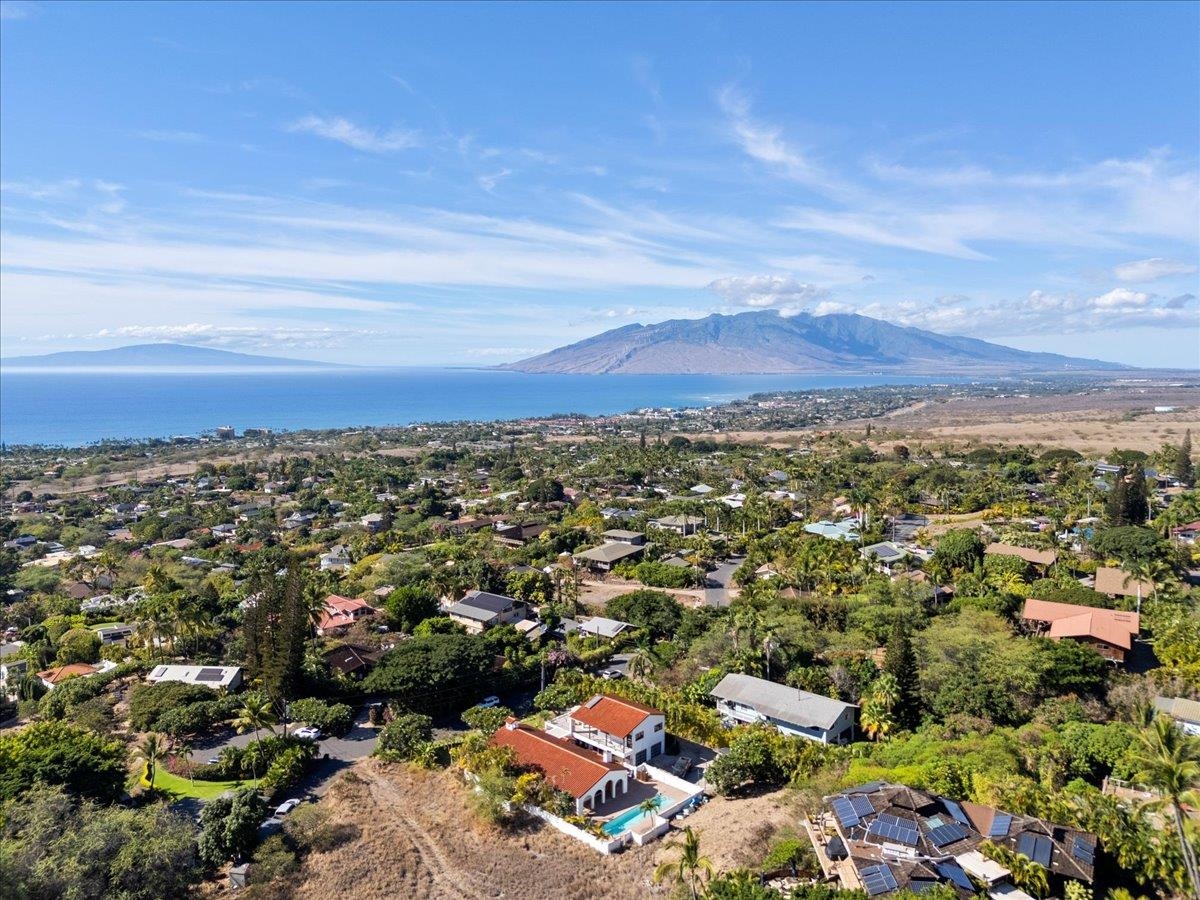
502 351
785 294
1152 269
366 139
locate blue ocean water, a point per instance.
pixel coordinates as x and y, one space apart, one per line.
75 408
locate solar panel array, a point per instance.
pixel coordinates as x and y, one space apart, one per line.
957 811
1000 824
878 880
844 810
209 675
947 834
1036 847
893 828
862 805
1083 850
954 873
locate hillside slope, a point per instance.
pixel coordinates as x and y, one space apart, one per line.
766 342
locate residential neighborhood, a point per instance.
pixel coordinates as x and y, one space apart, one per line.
847 678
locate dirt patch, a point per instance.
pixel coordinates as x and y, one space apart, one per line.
594 594
735 834
419 838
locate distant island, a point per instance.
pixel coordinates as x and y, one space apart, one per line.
765 342
158 356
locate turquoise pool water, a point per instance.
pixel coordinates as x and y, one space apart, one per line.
621 823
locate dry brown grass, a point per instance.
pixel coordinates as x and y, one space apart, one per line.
419 838
735 834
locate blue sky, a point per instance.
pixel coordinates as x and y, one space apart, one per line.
405 184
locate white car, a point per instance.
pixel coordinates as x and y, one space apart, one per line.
490 702
307 734
286 807
611 674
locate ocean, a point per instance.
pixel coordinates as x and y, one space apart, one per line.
77 408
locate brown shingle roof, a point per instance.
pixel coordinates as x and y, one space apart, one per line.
1112 626
1117 583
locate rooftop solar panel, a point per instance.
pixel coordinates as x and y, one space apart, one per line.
209 675
1083 850
844 810
947 834
957 811
892 828
954 873
862 805
1036 847
878 880
1000 823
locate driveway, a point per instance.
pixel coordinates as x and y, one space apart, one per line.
718 590
333 753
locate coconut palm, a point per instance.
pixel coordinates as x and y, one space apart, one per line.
690 868
1169 762
151 751
1026 874
648 807
640 664
256 713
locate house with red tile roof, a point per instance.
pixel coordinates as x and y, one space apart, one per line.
576 770
624 730
1110 632
57 675
342 612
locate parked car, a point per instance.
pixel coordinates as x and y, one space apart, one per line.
307 734
490 702
213 760
611 674
286 807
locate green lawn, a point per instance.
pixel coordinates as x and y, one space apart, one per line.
201 790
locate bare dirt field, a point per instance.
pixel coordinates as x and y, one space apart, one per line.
594 594
735 834
1092 422
419 838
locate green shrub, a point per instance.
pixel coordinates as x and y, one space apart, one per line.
335 718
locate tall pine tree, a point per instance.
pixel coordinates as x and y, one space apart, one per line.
900 661
1184 469
275 628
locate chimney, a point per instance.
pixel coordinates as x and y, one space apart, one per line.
512 723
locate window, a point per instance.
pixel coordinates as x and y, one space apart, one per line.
639 735
658 727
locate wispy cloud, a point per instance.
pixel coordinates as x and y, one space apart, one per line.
244 336
368 140
12 10
489 181
1153 269
172 137
765 143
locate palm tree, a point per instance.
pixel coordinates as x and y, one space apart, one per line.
640 664
1169 762
1138 571
649 806
256 713
151 751
1026 874
690 868
182 750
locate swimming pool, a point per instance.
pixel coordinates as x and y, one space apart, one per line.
621 823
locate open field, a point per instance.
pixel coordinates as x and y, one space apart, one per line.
418 837
1092 422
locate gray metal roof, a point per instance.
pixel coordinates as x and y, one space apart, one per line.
476 602
1179 708
609 553
779 701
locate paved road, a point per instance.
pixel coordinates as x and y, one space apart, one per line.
717 588
333 753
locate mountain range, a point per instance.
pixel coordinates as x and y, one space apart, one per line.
765 342
157 356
